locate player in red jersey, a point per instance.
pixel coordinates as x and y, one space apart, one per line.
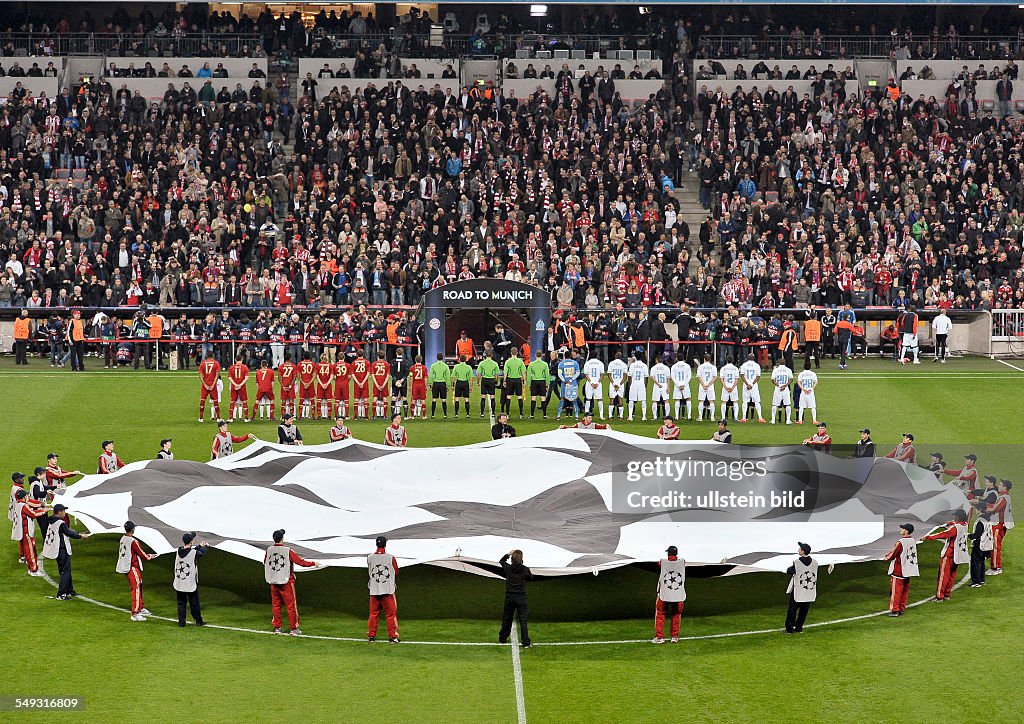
418 388
361 384
209 376
238 379
341 388
307 374
264 391
286 374
380 371
324 381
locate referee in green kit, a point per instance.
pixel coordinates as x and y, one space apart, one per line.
488 370
514 375
462 373
439 378
537 377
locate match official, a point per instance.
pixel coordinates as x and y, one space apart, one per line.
488 370
439 377
514 374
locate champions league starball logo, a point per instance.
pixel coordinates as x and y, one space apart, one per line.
276 562
674 581
123 551
51 535
181 572
912 556
807 580
555 505
380 573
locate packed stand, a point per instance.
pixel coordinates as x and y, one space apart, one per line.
826 197
386 190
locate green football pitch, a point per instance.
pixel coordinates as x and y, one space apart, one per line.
591 661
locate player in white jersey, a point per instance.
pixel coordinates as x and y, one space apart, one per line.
729 376
782 376
807 381
681 374
707 373
617 373
661 375
638 374
593 385
750 374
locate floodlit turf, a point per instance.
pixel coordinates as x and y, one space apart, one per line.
876 669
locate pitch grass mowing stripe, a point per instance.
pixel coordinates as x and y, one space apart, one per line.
514 638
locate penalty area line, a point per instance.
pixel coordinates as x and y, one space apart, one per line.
514 639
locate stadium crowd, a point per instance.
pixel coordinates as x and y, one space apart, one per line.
363 193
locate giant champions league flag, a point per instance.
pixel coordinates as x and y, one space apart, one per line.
574 501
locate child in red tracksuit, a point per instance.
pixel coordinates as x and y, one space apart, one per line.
1003 522
284 593
26 511
671 595
902 567
954 552
383 570
135 556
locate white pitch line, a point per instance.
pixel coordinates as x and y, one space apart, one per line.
1004 362
112 375
979 376
514 639
517 674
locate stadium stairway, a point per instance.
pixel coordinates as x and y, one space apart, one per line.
688 198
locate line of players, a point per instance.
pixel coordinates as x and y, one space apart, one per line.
328 390
670 389
315 389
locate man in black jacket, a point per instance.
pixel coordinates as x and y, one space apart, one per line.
865 446
516 576
186 578
501 429
399 375
58 546
659 336
39 489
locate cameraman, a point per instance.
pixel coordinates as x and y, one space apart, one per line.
140 333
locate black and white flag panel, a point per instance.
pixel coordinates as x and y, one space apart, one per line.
550 494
